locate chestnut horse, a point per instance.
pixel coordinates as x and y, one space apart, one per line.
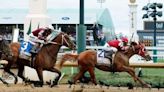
87 61
44 60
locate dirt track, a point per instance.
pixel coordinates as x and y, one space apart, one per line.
74 88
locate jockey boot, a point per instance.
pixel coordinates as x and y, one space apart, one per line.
108 55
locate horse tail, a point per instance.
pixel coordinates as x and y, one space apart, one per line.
68 57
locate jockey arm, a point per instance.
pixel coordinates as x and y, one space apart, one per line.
34 38
40 35
122 47
107 47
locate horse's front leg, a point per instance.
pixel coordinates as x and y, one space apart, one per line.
40 75
55 82
132 73
7 69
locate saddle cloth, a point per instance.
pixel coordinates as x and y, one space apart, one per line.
24 51
101 59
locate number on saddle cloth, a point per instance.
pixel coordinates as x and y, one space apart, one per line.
101 58
25 48
100 53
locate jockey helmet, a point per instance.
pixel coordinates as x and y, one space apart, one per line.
50 27
124 39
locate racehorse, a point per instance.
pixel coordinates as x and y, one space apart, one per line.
87 61
44 60
4 48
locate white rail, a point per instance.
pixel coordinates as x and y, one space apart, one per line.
148 48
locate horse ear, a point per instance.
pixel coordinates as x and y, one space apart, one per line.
133 43
139 43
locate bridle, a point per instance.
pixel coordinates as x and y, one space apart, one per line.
63 39
141 50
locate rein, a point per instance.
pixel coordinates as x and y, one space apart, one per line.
63 39
140 50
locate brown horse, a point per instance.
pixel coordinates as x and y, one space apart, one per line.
87 61
44 60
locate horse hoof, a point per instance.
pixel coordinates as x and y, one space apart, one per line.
147 86
38 83
16 81
70 82
48 82
101 82
27 80
7 85
54 83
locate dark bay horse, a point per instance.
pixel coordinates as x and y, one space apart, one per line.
87 61
44 60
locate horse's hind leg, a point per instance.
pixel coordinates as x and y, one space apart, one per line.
55 82
78 75
20 72
92 74
7 69
132 73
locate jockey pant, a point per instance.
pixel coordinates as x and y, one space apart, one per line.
109 51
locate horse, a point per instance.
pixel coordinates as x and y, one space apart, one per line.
4 49
87 61
44 60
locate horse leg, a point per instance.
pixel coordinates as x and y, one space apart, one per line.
78 75
55 82
92 74
4 82
7 69
132 73
20 72
40 75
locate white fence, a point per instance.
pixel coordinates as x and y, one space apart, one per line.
160 50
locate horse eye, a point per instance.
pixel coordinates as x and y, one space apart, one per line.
143 49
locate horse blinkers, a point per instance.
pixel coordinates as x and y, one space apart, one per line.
143 52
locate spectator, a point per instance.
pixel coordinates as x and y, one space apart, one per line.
102 39
95 29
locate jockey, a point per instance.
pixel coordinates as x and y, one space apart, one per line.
113 46
38 37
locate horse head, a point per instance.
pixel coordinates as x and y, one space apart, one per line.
140 50
64 40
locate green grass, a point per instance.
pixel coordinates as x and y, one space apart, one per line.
160 61
153 76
